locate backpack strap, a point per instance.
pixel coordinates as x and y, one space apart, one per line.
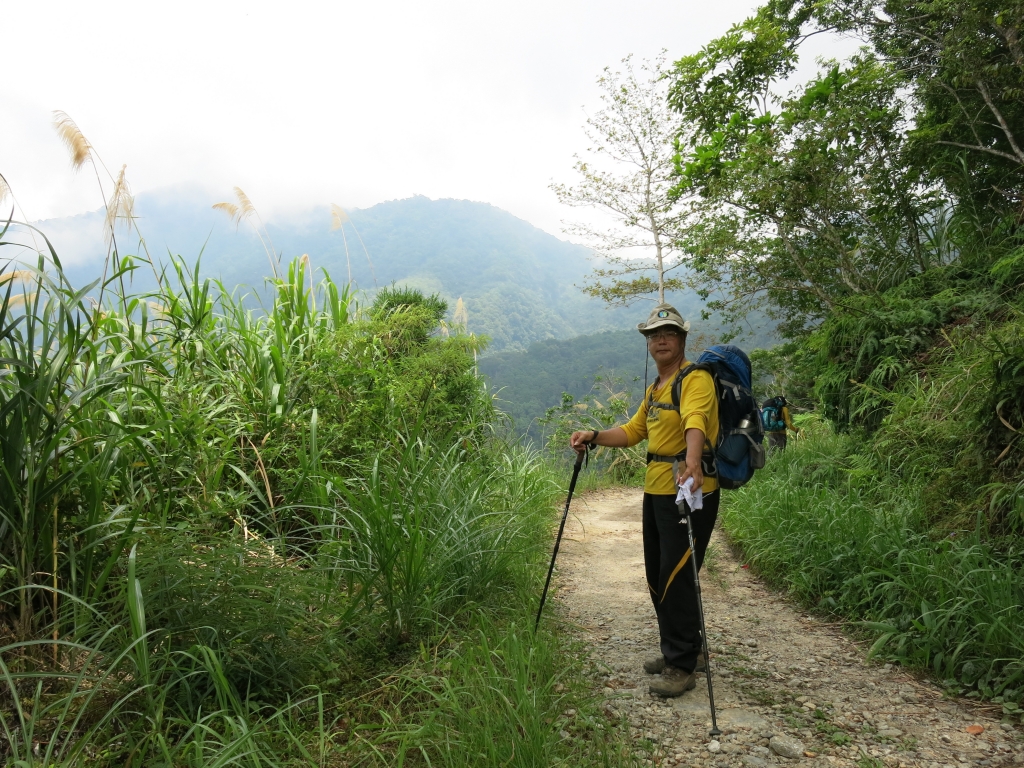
666 459
677 387
707 460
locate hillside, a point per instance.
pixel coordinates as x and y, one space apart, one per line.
527 383
517 281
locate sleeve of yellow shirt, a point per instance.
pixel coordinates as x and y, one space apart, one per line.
785 418
636 427
700 401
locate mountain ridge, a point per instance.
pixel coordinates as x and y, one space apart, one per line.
518 282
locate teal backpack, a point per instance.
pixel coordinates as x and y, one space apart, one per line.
771 415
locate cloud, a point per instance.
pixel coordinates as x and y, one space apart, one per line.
315 102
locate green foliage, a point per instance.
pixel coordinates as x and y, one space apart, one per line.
625 465
500 698
843 532
807 200
217 519
833 192
964 62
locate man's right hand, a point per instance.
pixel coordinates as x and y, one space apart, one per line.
578 441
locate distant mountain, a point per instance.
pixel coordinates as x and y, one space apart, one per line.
517 281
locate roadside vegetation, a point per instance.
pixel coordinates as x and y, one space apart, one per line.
280 535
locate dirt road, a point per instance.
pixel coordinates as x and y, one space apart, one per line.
784 682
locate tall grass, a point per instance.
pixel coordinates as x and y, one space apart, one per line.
222 524
501 698
853 538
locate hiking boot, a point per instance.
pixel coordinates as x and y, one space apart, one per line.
673 682
655 664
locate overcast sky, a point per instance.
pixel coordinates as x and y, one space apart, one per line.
305 103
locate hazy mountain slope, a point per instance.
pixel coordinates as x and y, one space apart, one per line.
526 383
518 282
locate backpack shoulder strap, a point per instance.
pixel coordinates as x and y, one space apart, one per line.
677 385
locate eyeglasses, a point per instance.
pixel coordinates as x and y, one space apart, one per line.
654 336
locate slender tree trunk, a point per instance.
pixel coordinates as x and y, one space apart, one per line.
656 233
661 269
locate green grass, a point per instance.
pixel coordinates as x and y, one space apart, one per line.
854 540
286 536
502 697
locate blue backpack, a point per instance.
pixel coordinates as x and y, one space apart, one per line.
740 448
771 415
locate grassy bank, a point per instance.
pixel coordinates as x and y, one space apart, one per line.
280 536
855 539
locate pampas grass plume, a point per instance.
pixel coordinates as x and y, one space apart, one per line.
19 299
338 217
245 206
238 212
230 209
121 205
74 140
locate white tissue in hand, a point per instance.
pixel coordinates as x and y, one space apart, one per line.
694 500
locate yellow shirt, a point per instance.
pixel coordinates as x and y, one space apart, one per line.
665 429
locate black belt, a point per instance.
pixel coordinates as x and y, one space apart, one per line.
707 461
667 459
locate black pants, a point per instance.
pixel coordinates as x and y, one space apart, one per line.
777 441
670 573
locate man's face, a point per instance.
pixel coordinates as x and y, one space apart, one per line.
664 345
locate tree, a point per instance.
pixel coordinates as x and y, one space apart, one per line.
964 61
628 173
806 200
961 63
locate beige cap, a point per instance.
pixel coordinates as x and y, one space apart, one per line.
662 315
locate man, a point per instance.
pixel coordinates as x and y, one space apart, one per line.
677 439
776 420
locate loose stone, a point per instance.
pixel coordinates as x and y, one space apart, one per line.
786 746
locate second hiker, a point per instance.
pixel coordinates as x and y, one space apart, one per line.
776 420
671 432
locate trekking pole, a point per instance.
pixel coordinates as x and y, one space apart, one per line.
700 609
558 539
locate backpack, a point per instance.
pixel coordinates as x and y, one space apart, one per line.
771 415
740 448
